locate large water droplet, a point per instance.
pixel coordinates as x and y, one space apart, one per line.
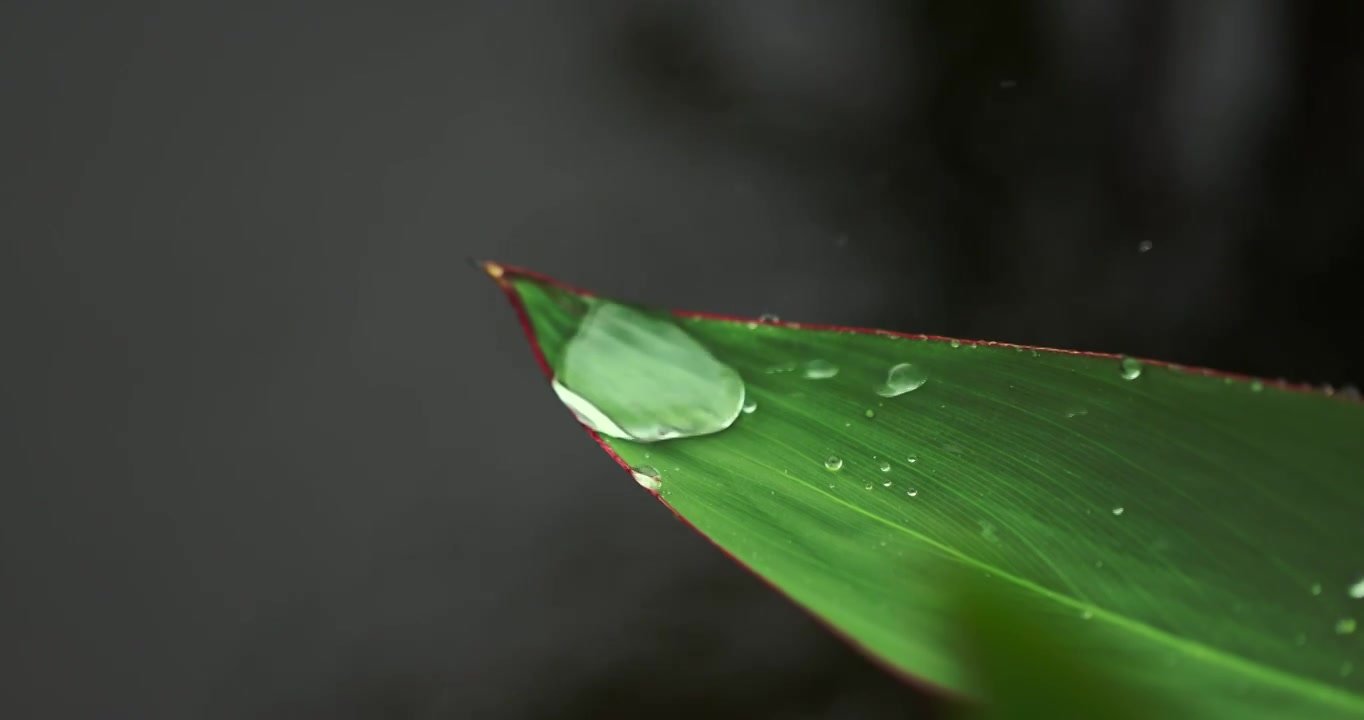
631 374
903 378
1356 591
833 462
1345 626
820 369
750 405
1131 368
647 476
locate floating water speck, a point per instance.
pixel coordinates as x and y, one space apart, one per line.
1345 626
819 370
1130 368
749 406
647 476
912 492
1356 591
1144 246
636 375
885 466
1315 589
1117 510
902 378
833 463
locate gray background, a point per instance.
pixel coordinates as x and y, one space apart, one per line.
271 449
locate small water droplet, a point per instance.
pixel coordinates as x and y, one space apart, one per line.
885 466
1131 368
1256 385
1117 510
647 476
750 405
955 343
912 492
1315 589
834 463
820 369
769 317
903 378
1144 246
1356 591
781 368
1345 626
1300 639
1087 614
912 458
870 485
870 413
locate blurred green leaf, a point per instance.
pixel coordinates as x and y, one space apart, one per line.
1196 535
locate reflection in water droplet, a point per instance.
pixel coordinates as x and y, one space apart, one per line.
1131 368
647 476
912 458
870 413
750 405
885 466
903 378
632 374
1345 626
1117 510
1315 589
833 462
1356 591
912 492
820 369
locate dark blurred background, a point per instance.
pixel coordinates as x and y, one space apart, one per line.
271 449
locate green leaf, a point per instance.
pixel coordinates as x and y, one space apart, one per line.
1199 534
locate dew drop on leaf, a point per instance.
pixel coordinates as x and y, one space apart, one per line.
1131 368
912 492
833 463
636 375
870 413
885 466
750 405
870 485
1256 386
1356 591
955 343
903 378
1117 510
1316 588
647 476
820 370
912 458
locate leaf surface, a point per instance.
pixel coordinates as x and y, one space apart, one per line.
1200 533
